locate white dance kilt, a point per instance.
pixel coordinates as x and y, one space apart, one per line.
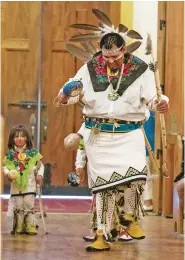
115 159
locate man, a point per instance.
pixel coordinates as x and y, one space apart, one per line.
118 90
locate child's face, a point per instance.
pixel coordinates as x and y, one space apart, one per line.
19 139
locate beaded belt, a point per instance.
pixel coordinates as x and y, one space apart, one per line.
111 125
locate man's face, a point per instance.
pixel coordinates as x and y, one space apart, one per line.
113 60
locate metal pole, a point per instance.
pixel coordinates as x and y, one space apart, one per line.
39 82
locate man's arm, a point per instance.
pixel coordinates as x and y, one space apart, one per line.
149 94
81 160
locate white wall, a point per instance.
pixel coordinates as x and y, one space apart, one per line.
145 20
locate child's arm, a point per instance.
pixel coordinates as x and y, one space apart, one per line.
10 174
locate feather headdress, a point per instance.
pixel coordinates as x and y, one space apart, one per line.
96 33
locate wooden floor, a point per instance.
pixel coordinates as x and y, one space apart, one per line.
64 242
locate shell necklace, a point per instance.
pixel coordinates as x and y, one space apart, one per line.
113 95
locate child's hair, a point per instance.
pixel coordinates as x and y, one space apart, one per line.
17 129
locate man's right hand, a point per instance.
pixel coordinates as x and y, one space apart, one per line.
62 99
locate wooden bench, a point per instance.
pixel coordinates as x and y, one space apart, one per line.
178 188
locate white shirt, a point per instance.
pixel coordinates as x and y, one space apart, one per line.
128 107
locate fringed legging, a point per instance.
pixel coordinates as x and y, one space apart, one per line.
106 204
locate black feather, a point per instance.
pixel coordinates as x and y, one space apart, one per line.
86 27
133 46
85 37
102 17
78 52
89 47
134 35
122 28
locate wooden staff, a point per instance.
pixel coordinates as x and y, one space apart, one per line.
154 67
41 208
39 193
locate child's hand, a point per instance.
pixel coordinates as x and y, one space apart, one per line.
9 178
81 173
39 180
12 175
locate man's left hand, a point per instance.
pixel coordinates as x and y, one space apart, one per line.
162 106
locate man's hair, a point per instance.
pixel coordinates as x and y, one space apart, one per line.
19 129
110 39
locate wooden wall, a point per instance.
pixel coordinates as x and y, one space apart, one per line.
174 89
171 65
19 62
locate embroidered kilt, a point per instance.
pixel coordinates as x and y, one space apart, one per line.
115 159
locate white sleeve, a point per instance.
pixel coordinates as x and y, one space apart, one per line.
80 159
41 170
81 130
148 89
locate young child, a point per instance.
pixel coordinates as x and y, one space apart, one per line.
23 168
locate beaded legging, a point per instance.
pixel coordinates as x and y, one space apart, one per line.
107 206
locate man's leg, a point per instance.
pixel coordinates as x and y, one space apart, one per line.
93 228
119 210
105 204
114 224
116 230
132 205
